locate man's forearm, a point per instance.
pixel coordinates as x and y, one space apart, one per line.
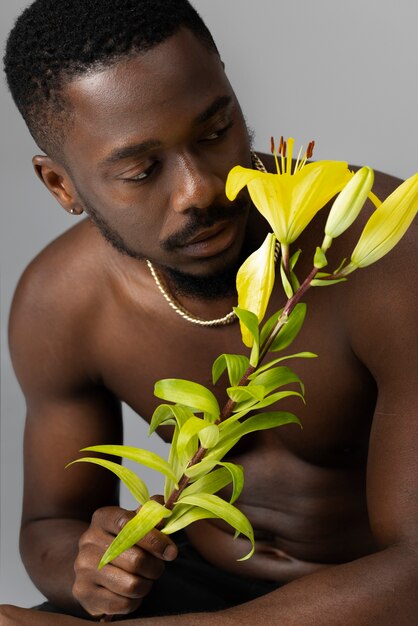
49 548
378 590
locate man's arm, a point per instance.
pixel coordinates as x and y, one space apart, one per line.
71 515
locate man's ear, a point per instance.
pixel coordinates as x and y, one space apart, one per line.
56 179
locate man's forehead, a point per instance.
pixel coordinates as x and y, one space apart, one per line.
179 64
141 95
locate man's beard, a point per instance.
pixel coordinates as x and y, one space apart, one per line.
212 285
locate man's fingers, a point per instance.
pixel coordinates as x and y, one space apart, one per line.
105 602
137 561
111 519
124 583
159 545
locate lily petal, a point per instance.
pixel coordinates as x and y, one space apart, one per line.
255 280
313 187
290 201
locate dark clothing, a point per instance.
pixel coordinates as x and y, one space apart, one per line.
191 585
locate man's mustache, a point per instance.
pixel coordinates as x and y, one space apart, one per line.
199 219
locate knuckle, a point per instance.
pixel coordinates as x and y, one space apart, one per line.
133 587
85 540
78 590
122 519
143 588
97 517
155 542
116 605
137 559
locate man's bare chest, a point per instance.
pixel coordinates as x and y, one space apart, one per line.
138 348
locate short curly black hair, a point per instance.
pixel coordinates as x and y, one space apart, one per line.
54 41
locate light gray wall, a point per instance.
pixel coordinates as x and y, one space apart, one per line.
343 73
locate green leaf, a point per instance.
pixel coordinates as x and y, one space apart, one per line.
187 440
320 259
264 421
144 457
294 259
175 464
136 485
340 267
240 394
288 289
210 483
237 474
266 366
186 392
276 377
183 515
294 282
217 479
233 433
324 283
225 444
250 321
225 511
276 397
162 415
236 365
145 520
195 472
209 436
269 325
290 330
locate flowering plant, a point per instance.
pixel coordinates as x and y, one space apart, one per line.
203 432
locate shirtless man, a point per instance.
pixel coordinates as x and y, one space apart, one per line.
140 135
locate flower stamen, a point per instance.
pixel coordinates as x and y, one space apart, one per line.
310 149
273 151
298 159
308 154
290 144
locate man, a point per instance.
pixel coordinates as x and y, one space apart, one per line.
140 127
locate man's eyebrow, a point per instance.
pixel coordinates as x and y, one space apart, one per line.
134 149
217 105
137 149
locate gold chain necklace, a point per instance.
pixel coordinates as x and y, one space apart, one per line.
230 317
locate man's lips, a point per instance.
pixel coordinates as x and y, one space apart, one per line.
208 233
211 241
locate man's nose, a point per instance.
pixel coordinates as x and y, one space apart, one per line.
195 185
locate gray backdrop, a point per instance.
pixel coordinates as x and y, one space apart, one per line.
343 73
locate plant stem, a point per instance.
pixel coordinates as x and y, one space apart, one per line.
230 404
289 306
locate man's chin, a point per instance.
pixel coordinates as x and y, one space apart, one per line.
211 285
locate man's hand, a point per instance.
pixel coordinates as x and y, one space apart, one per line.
119 587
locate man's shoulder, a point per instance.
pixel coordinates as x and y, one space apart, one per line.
59 288
56 276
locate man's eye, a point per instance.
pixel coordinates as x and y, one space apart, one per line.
141 176
217 134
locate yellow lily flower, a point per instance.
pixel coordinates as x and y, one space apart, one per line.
292 197
386 226
255 280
